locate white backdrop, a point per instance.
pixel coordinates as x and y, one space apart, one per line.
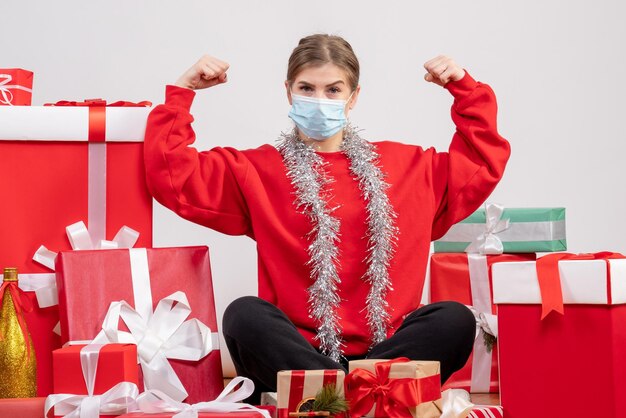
556 66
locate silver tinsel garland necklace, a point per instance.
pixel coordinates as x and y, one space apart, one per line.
305 168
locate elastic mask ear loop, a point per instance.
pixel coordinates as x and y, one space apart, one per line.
348 104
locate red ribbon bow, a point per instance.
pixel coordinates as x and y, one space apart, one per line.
97 114
22 304
393 397
550 278
100 102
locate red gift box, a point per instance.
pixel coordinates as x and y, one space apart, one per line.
116 275
22 407
53 176
571 364
16 87
466 278
116 363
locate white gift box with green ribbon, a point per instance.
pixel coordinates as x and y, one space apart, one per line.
496 230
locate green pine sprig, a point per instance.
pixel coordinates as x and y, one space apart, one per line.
327 399
489 341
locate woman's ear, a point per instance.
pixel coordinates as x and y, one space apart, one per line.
288 91
354 98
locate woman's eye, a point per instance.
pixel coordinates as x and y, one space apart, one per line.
334 90
306 89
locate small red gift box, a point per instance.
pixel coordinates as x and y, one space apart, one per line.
56 171
144 278
571 364
466 278
296 386
16 87
116 363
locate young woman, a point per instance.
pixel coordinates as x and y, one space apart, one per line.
342 225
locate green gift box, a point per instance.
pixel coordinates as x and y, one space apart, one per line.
497 230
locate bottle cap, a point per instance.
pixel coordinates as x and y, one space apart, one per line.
10 274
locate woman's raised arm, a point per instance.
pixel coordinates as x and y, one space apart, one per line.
203 187
466 175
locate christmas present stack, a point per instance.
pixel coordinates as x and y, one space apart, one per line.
73 179
101 380
461 270
160 299
373 388
63 165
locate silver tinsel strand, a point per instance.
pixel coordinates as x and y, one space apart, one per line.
382 231
306 170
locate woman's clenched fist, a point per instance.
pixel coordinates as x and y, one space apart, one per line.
207 72
442 69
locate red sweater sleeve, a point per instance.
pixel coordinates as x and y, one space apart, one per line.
467 174
203 187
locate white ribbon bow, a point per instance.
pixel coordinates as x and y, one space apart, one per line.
163 335
486 322
115 401
44 285
155 401
488 242
455 403
5 89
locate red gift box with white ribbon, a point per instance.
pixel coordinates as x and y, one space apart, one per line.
562 336
61 165
158 298
466 278
94 380
16 86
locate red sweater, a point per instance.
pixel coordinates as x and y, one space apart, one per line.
248 193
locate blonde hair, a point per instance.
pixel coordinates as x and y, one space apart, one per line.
319 49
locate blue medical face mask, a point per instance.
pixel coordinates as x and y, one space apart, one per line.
318 119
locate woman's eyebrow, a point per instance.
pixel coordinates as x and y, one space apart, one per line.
306 83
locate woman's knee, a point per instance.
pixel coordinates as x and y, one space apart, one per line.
241 314
459 321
